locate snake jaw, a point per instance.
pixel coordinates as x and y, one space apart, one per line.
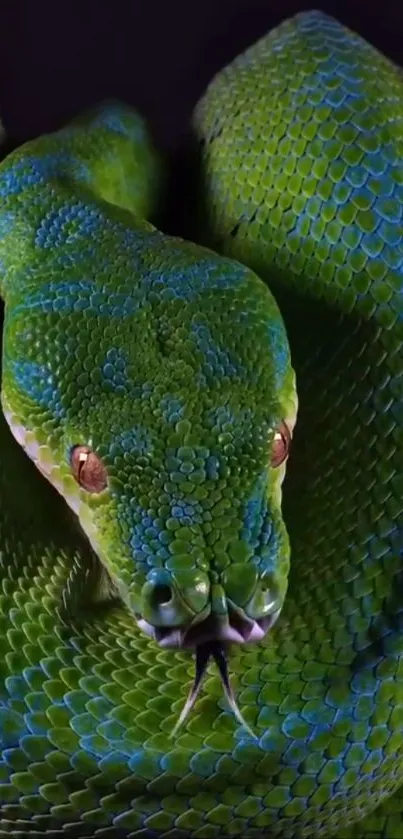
236 630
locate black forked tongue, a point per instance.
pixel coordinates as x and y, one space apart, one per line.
215 650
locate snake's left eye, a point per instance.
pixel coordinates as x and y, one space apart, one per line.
88 469
281 445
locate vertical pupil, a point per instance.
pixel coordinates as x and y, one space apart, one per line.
82 460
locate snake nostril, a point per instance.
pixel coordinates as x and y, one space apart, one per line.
161 595
172 600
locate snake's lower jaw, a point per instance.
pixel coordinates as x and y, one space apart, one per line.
236 630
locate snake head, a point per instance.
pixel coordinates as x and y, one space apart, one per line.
158 397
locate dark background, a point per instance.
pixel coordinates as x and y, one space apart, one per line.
57 59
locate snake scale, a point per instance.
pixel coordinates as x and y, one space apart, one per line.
150 380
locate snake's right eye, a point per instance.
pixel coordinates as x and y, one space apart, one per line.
281 445
88 469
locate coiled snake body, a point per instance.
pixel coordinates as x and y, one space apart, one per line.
150 381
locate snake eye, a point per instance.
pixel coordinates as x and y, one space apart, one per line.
88 469
281 445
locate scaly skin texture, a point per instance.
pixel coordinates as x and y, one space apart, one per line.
301 180
301 145
172 364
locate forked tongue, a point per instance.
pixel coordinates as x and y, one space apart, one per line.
203 654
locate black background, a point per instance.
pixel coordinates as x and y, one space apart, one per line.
158 55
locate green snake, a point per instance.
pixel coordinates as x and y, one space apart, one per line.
151 381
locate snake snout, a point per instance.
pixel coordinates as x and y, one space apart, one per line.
171 602
187 611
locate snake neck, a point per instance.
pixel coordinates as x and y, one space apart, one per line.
48 185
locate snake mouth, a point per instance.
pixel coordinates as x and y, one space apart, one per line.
236 628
